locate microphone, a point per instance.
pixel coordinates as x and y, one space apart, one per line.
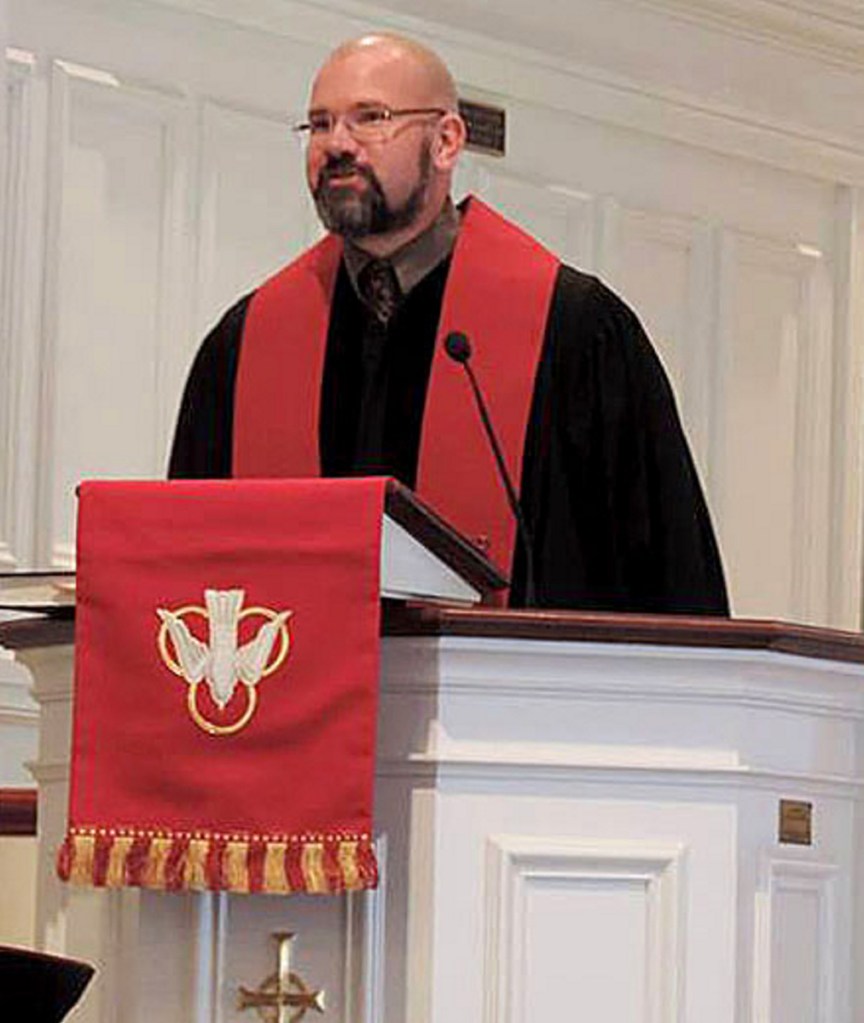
458 348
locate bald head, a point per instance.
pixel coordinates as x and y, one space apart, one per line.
421 72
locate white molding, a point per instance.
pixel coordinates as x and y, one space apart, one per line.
58 129
830 31
19 716
209 939
820 879
118 967
555 670
514 862
581 90
17 376
491 767
810 340
364 947
171 110
578 671
47 772
694 238
54 692
63 556
845 604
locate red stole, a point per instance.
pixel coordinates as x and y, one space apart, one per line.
498 293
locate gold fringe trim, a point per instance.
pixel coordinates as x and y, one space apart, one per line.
83 859
235 867
317 864
312 865
154 873
348 865
275 879
115 876
195 867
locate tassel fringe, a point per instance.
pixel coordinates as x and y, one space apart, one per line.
315 864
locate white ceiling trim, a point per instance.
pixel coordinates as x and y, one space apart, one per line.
581 91
832 32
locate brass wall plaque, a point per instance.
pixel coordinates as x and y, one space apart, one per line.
795 822
487 127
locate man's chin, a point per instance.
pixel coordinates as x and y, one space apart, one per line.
343 212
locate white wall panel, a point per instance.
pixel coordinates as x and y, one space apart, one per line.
662 265
254 214
115 152
562 913
773 439
796 944
13 166
24 242
561 218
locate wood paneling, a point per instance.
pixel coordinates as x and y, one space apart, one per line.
17 811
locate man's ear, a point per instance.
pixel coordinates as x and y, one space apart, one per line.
450 141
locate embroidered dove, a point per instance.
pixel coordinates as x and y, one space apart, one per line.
223 664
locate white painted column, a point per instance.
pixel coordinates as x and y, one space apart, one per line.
6 433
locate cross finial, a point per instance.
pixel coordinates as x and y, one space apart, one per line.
283 997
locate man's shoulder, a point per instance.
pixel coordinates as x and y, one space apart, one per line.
225 335
592 326
586 293
585 308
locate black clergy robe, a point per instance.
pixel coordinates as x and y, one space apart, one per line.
608 488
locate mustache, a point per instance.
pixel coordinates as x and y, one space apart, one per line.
336 166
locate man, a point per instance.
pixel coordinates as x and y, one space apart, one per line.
336 366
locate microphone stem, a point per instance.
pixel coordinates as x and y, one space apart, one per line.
515 507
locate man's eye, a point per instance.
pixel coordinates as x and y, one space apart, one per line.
369 117
320 124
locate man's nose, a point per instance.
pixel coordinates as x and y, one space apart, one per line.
339 139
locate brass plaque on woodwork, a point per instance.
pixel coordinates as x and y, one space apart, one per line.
796 822
487 127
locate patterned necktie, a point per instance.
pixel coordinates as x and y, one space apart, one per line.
380 289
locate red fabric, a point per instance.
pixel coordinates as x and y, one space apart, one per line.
498 293
278 390
303 767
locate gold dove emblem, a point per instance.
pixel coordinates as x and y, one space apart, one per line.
222 664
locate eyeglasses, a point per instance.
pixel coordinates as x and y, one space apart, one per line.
365 123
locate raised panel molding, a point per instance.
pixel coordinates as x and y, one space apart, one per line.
12 106
19 308
561 218
516 866
847 453
676 302
775 361
115 284
813 953
253 214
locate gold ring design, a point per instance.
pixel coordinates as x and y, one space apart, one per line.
203 722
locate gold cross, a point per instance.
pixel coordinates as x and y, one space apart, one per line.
282 997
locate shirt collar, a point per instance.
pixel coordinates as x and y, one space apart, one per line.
419 257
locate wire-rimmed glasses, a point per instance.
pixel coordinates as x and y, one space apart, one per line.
367 122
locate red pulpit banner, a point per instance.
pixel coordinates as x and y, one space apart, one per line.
226 672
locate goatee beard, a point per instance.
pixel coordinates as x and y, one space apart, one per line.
358 214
